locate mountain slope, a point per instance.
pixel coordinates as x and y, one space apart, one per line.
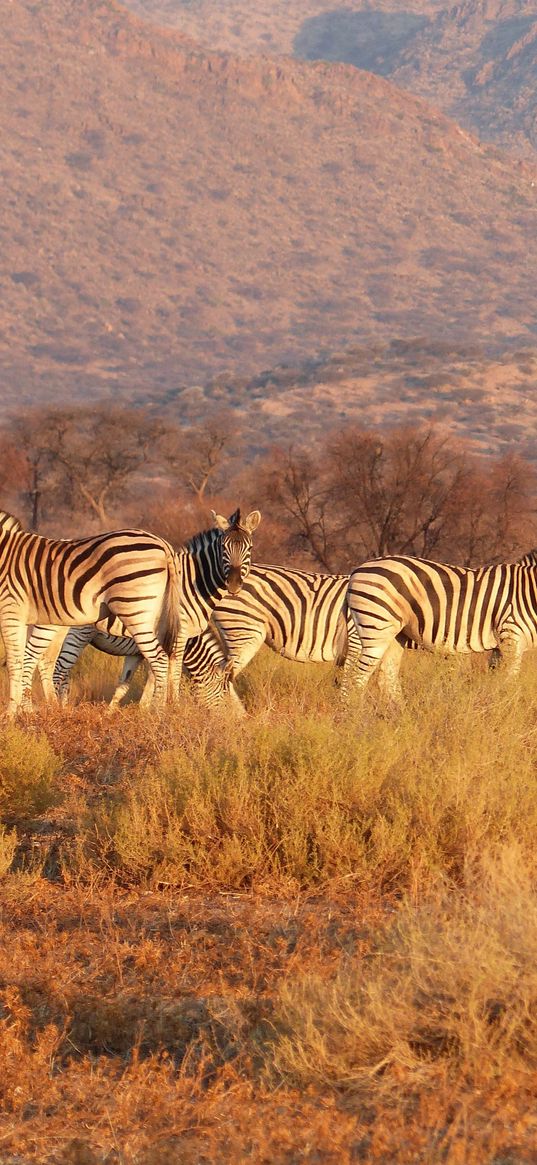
478 61
170 212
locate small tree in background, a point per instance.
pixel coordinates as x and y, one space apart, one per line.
200 458
407 491
82 462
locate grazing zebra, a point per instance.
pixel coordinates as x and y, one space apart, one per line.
395 600
205 661
209 563
300 615
133 574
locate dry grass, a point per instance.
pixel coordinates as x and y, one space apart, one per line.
297 938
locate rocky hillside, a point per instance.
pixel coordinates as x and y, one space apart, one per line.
477 60
489 401
171 213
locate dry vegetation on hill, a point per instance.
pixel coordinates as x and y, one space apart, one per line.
476 61
486 400
296 940
169 213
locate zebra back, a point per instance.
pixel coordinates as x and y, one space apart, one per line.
297 613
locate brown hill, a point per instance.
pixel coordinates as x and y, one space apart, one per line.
169 212
250 27
477 60
489 401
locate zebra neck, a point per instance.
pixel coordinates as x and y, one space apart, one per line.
203 576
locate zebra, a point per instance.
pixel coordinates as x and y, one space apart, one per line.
399 600
300 615
205 661
209 562
132 573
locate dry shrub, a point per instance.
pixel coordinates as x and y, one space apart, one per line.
304 798
451 986
8 845
27 1058
29 769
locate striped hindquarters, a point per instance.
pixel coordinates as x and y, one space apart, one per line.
436 605
69 583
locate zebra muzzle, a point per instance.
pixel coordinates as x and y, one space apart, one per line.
234 580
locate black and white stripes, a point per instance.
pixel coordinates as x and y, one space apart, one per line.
133 574
300 615
437 606
209 563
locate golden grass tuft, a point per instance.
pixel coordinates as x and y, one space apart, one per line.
29 770
450 986
304 933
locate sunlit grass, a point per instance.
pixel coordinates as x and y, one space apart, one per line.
425 821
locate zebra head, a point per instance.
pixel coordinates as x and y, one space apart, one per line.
236 546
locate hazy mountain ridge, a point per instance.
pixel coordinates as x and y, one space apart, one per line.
172 213
476 60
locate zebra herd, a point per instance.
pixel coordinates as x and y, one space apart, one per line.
206 608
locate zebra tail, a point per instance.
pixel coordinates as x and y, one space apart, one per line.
170 618
341 642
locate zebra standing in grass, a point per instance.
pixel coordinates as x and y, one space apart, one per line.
451 608
300 615
133 574
205 661
209 563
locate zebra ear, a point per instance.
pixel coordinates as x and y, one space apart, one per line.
251 522
218 521
235 519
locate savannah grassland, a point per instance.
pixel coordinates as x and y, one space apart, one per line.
295 938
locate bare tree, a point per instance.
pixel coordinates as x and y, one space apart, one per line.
31 440
295 487
200 457
404 491
83 459
395 489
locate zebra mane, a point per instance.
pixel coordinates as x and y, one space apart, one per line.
8 522
201 541
207 538
529 559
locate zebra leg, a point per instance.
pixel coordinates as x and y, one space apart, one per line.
349 665
148 690
388 673
14 636
153 652
510 650
176 664
76 640
42 641
46 663
374 648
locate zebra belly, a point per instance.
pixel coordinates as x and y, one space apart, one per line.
43 616
304 652
114 644
451 645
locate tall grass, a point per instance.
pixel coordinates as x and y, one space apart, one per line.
451 985
302 795
401 993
